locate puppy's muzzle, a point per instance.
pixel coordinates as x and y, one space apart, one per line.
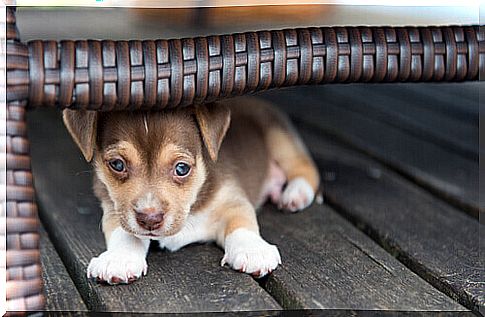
149 218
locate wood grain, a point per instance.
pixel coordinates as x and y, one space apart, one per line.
59 290
190 280
438 169
329 264
442 244
406 107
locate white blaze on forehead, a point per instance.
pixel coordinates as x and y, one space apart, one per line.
147 201
145 123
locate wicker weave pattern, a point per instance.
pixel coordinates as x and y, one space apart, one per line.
108 75
24 284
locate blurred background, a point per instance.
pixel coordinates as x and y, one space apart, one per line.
128 23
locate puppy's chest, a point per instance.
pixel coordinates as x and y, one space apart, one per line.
201 225
197 228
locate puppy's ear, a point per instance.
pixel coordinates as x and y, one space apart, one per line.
82 124
213 120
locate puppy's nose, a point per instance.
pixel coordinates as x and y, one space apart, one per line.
149 218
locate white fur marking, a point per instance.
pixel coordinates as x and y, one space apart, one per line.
124 261
195 229
246 251
297 195
145 123
200 226
147 201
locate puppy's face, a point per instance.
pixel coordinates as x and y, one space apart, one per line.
151 164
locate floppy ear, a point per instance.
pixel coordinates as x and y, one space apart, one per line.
213 120
81 124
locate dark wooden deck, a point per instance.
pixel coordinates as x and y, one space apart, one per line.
398 229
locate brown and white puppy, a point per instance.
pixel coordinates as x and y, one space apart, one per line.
188 175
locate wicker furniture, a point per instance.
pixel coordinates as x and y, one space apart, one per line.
108 75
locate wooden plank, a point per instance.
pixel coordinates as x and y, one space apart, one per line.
435 168
403 109
442 244
190 280
329 264
458 99
60 292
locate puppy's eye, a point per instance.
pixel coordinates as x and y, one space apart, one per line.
182 169
117 165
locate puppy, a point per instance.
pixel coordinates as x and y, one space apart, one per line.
193 174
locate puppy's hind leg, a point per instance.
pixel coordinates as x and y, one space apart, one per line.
290 154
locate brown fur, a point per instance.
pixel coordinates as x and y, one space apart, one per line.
151 143
81 124
282 142
213 122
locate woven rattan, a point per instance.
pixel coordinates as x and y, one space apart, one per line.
118 75
24 283
109 75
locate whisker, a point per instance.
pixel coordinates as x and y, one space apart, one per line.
83 172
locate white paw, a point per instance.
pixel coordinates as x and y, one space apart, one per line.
114 267
297 195
247 252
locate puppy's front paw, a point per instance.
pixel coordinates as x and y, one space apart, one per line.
297 195
115 267
246 251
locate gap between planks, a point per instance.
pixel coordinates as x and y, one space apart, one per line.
459 183
189 280
61 172
418 212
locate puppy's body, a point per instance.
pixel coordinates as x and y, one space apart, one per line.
234 168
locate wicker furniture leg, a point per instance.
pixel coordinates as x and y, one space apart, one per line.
24 283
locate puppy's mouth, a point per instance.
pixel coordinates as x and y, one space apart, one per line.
139 233
170 227
150 234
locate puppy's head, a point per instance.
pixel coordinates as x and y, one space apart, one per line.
152 164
